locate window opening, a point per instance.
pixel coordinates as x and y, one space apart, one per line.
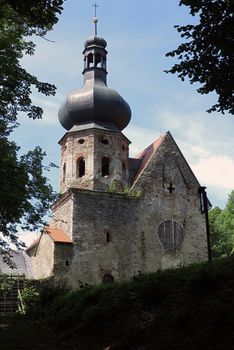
107 278
64 171
67 263
98 61
105 166
108 237
124 168
81 141
104 141
90 60
81 167
171 235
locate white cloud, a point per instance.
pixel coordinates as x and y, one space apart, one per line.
216 171
212 170
140 137
28 237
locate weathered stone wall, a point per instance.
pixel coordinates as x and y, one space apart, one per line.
43 259
62 261
182 205
92 145
74 146
62 217
105 237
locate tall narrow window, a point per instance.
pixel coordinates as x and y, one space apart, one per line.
64 171
80 167
98 60
90 60
105 166
124 169
107 237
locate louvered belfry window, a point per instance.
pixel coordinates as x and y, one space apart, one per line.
171 235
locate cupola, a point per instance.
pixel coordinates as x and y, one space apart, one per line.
95 102
94 151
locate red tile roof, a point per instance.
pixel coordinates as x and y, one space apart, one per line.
57 235
147 154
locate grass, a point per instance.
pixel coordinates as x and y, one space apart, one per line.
189 308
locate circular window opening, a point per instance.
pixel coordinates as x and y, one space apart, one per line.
171 235
81 141
104 141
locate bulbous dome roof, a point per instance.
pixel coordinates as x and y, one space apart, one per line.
94 102
95 40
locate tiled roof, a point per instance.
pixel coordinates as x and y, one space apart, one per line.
18 258
147 153
57 235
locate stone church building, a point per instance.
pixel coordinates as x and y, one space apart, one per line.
116 216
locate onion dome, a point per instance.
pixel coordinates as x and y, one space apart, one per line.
95 40
95 102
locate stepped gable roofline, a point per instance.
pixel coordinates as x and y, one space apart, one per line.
147 154
58 236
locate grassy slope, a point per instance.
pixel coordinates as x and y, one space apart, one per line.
190 308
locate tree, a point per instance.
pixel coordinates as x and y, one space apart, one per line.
207 55
25 193
19 20
222 229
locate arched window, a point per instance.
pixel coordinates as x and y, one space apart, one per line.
98 60
90 60
80 167
64 171
105 166
107 278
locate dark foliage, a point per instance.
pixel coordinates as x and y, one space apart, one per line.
25 193
188 308
207 55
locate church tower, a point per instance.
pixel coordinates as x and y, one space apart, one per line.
98 235
94 152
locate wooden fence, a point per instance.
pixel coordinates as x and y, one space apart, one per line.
10 285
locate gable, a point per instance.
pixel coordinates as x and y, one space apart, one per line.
164 166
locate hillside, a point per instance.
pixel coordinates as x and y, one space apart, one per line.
190 308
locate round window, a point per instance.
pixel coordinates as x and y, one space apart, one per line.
171 235
105 141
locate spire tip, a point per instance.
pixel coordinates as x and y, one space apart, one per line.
95 19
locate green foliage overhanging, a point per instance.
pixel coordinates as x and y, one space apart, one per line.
207 55
25 193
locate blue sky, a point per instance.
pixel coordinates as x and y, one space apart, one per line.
138 36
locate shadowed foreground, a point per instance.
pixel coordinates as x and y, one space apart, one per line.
190 308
